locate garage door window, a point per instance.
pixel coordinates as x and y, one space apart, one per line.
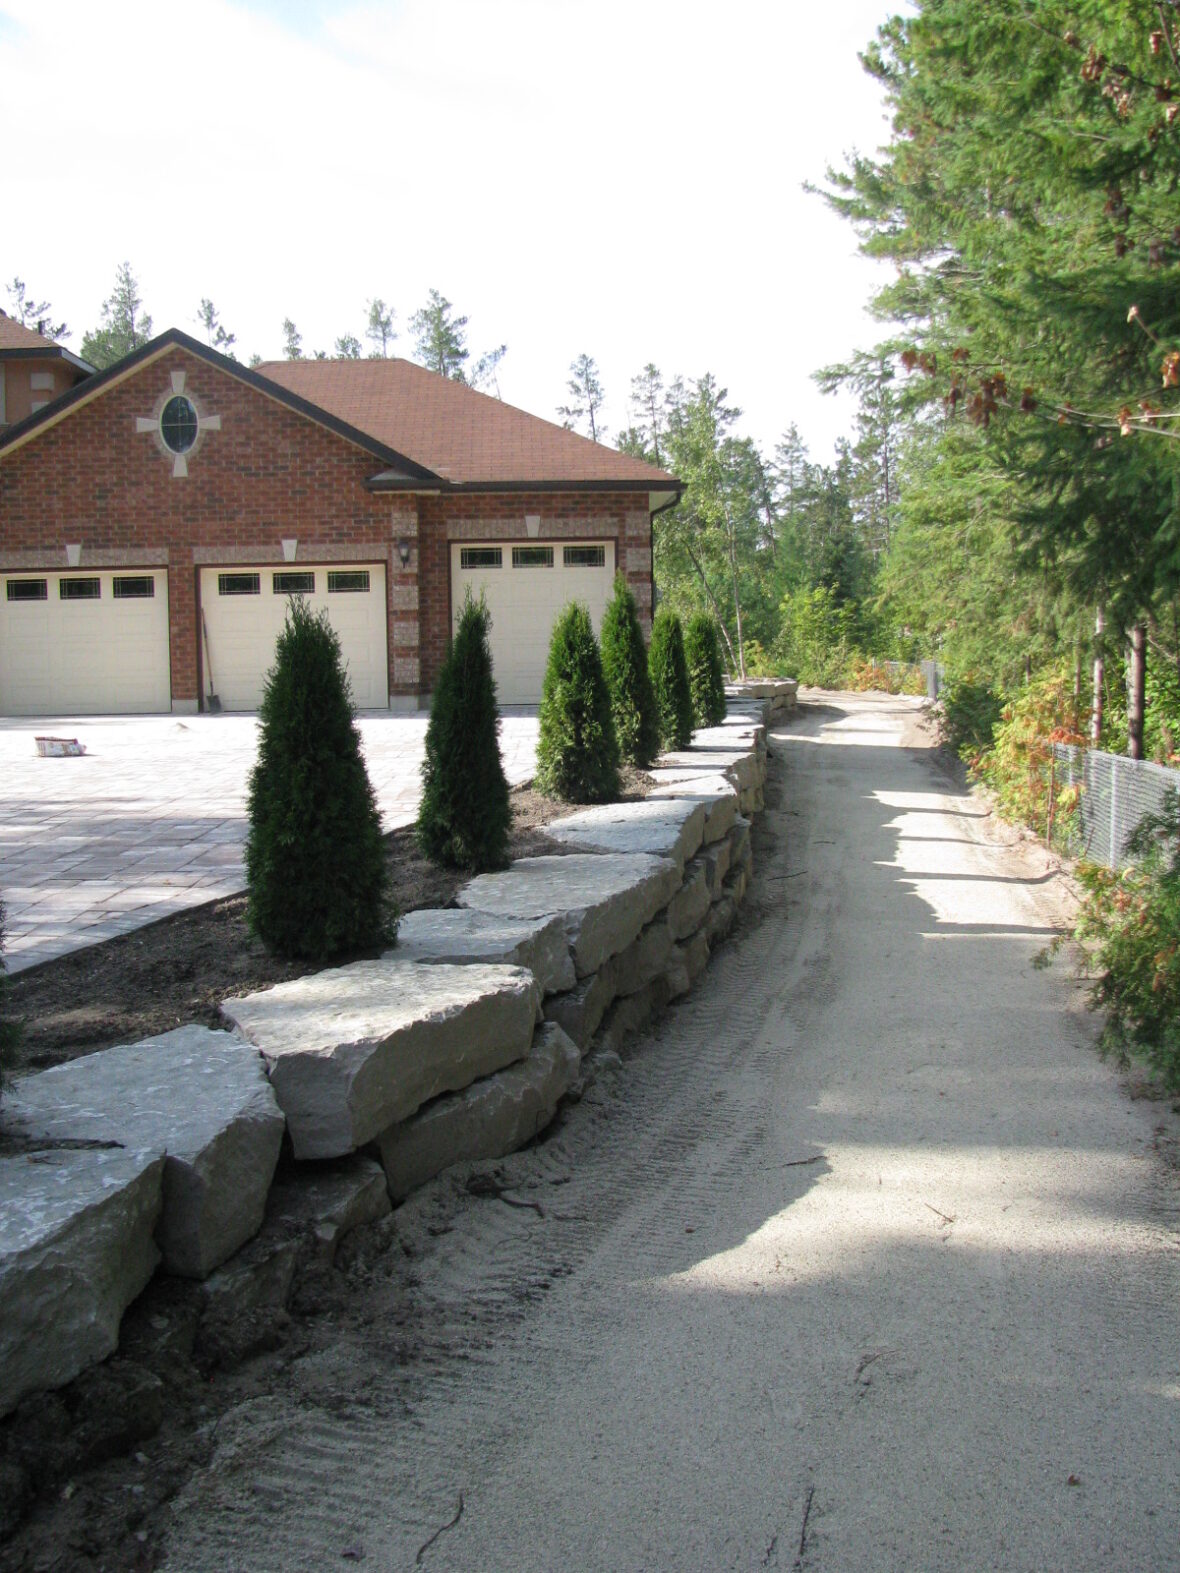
239 584
481 557
532 557
585 556
348 581
80 589
27 590
134 587
293 583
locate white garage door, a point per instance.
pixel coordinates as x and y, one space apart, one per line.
244 609
526 584
84 643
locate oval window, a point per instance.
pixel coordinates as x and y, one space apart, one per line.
178 424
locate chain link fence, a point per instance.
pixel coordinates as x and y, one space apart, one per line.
1113 794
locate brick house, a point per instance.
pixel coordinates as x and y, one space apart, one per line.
155 517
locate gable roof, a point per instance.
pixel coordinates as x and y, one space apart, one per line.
466 438
427 431
20 343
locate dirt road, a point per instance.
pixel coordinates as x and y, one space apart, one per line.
862 1261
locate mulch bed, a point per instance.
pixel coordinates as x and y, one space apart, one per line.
179 970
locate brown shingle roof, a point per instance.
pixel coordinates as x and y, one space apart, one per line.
463 436
15 337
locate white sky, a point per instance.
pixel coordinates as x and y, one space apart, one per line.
622 178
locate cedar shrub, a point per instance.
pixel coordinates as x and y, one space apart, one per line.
577 751
315 858
706 676
464 817
669 679
624 665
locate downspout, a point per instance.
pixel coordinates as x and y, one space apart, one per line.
651 535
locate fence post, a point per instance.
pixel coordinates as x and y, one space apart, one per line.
1114 799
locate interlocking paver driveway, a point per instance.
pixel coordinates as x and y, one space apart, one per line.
152 819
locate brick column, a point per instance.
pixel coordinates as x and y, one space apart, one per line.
405 666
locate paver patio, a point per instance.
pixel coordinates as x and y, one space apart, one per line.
152 818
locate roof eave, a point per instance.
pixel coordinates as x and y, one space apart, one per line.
662 484
50 352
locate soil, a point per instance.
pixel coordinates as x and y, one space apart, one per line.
180 970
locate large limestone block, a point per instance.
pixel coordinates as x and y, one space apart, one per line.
354 1049
715 860
742 764
202 1098
327 1201
490 1118
741 854
604 899
644 958
76 1248
458 934
687 908
715 791
580 1011
671 827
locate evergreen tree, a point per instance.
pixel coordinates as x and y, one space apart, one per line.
348 347
706 677
624 665
669 679
219 339
577 751
465 816
292 340
33 313
125 325
440 340
586 392
379 330
315 861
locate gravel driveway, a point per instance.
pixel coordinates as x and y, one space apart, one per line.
864 1261
152 818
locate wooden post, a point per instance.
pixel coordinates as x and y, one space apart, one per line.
1099 678
1136 678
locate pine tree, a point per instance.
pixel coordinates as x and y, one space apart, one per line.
440 340
577 751
669 679
624 665
125 325
706 678
315 862
465 816
587 398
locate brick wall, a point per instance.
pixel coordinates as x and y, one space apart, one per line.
266 475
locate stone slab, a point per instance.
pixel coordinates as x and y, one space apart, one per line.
459 934
715 860
632 1014
329 1200
202 1098
743 765
604 899
722 916
580 1011
715 791
490 1118
354 1049
671 827
644 958
687 908
76 1248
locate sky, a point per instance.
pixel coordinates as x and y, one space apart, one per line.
621 178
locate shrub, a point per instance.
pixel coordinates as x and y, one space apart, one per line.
1018 767
817 638
969 716
1133 917
315 861
669 679
706 676
865 674
9 1029
624 665
577 751
464 816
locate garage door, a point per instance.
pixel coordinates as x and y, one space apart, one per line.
244 609
84 643
526 584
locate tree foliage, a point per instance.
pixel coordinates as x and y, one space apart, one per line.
465 815
379 329
586 396
315 862
706 676
218 336
440 338
125 325
669 680
577 750
624 665
33 313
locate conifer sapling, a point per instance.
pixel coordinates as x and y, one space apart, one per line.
577 751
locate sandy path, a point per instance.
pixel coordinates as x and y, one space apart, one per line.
863 1261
